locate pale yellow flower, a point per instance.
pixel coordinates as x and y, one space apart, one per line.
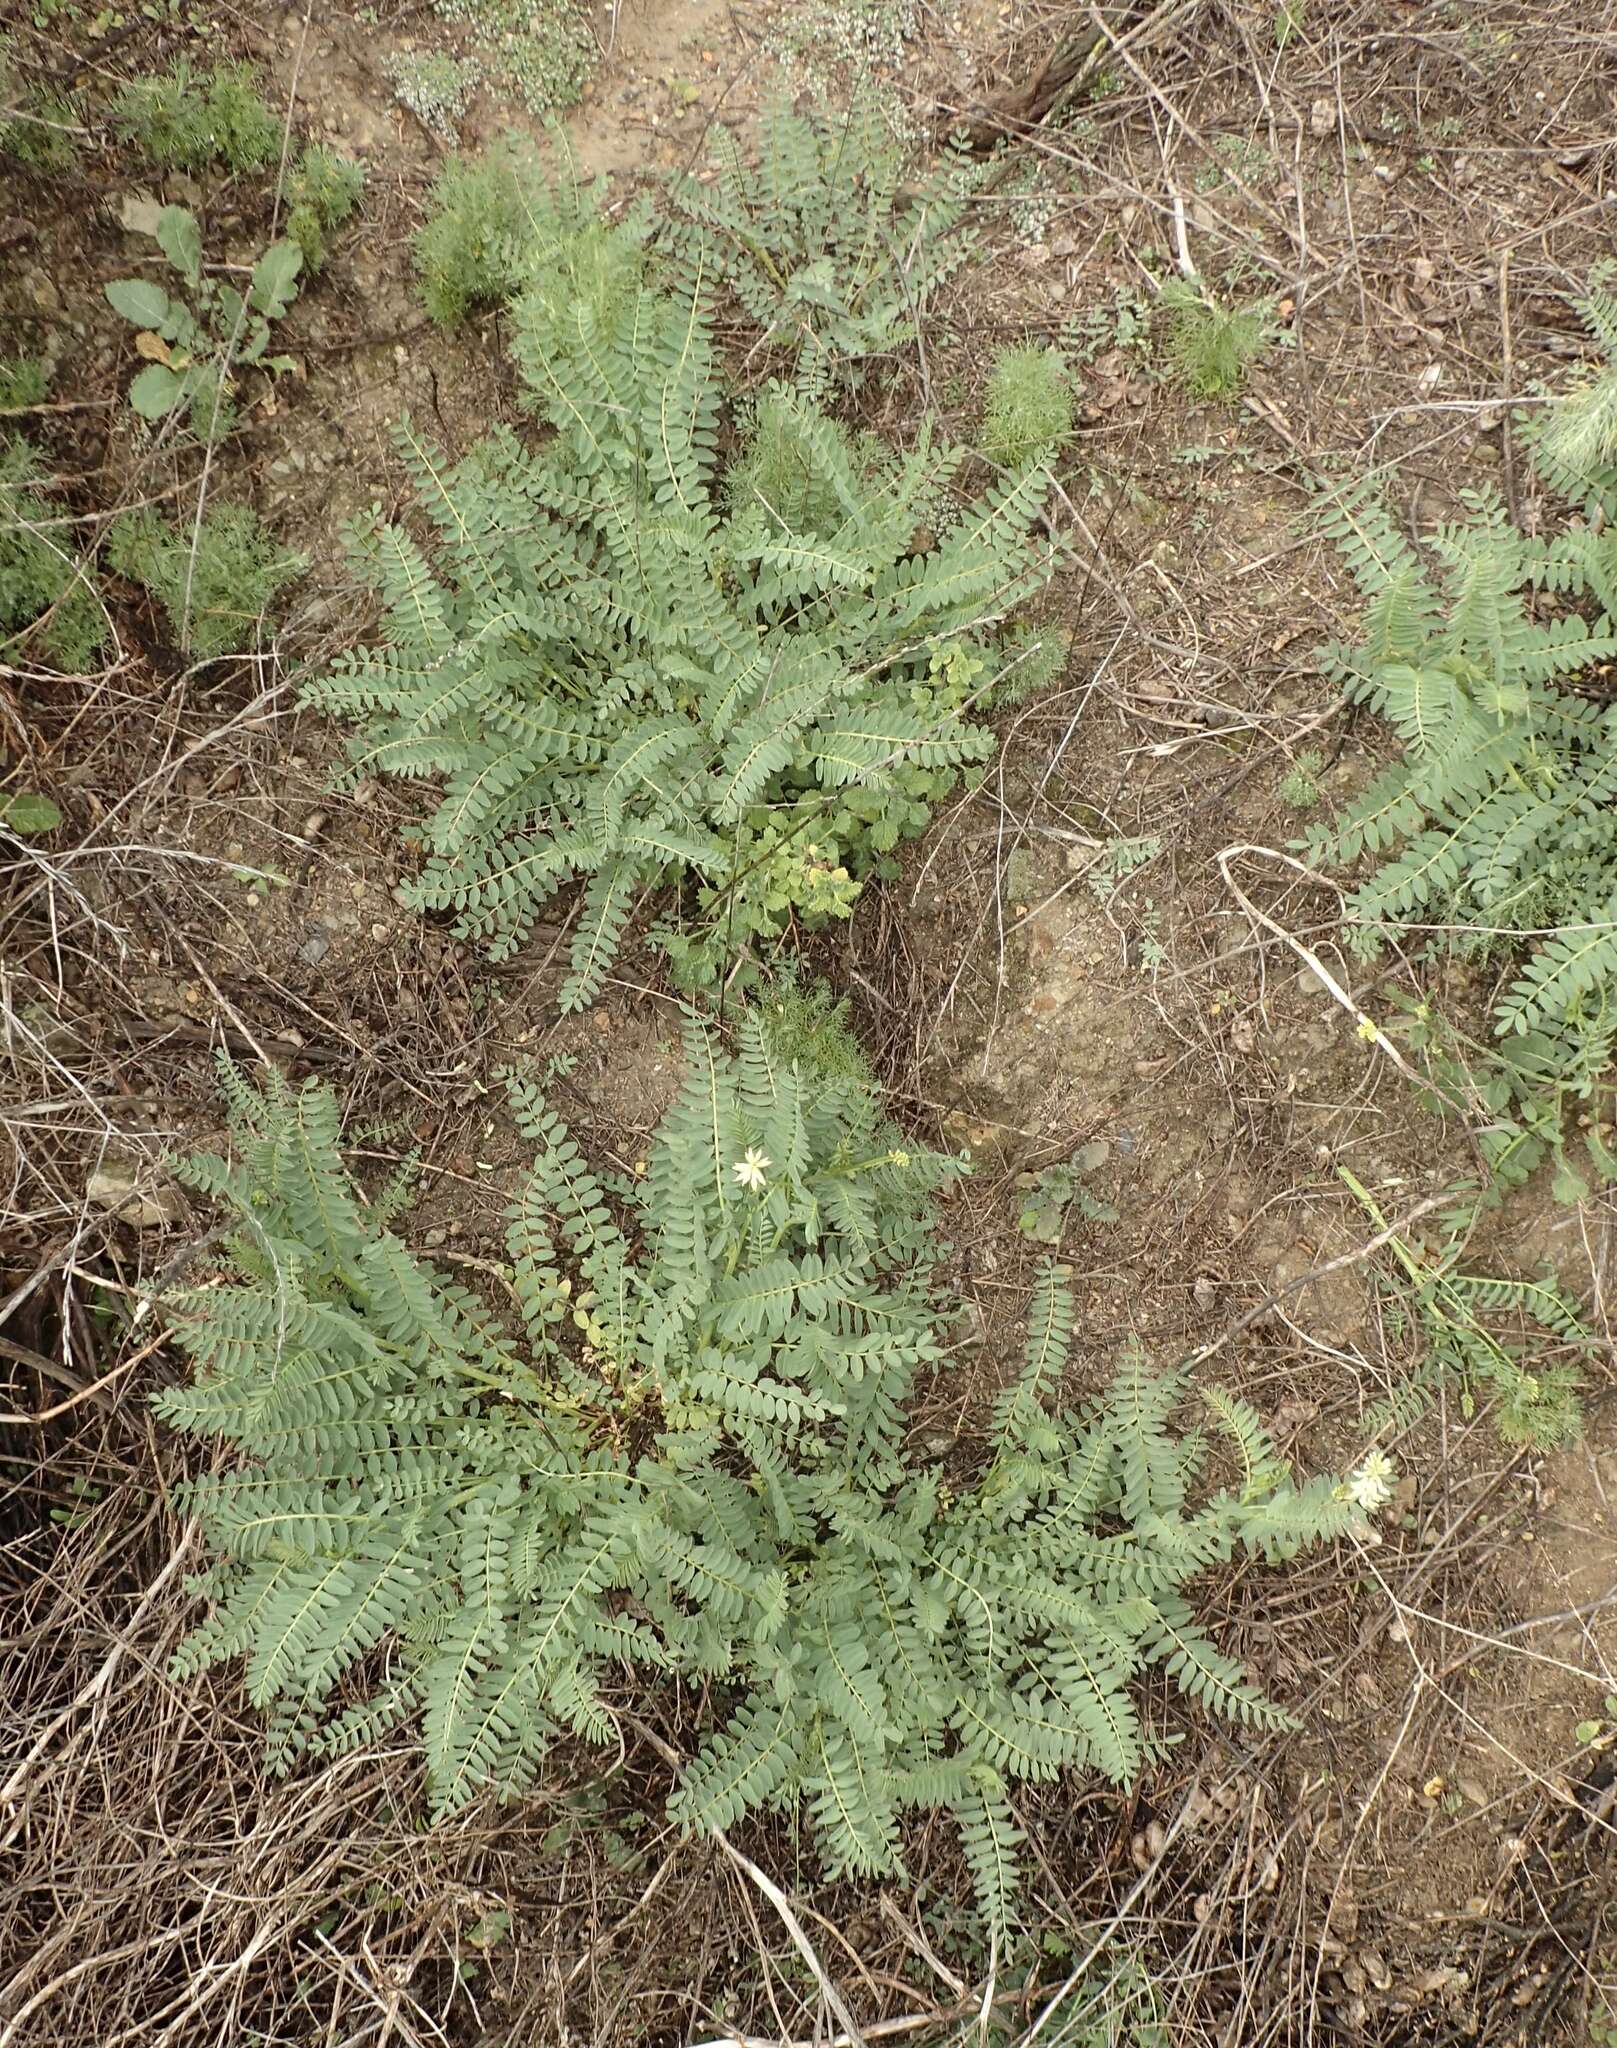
750 1169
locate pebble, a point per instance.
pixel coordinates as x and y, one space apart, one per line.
114 1185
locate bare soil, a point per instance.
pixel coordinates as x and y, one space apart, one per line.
1428 1857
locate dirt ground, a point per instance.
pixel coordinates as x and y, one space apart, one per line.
1428 1857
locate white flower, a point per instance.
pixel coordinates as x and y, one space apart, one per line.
1371 1486
750 1169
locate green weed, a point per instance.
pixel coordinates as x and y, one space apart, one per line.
1051 1194
23 382
192 120
322 193
436 87
28 814
194 344
472 250
1515 1340
541 51
1299 786
48 610
1211 346
1029 410
216 583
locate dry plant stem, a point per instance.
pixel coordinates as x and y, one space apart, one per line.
970 2009
1076 1974
15 1786
1417 1692
1352 1258
1367 1027
776 1897
800 1941
84 1393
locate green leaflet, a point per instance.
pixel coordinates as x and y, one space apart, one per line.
692 1458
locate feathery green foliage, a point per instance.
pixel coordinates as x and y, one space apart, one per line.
809 1028
38 126
322 193
634 665
692 1461
1496 830
1575 439
491 215
23 382
1517 1340
49 610
1029 409
191 120
1212 346
827 248
216 584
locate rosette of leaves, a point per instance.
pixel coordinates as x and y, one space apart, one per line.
637 661
687 1455
194 343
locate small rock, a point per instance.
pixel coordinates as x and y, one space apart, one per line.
313 825
138 213
115 1185
435 1237
314 948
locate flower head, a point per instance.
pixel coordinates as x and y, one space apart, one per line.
1371 1486
750 1169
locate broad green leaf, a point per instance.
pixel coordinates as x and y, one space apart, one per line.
275 279
138 300
27 813
156 391
180 240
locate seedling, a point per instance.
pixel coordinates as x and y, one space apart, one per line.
1056 1189
191 349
